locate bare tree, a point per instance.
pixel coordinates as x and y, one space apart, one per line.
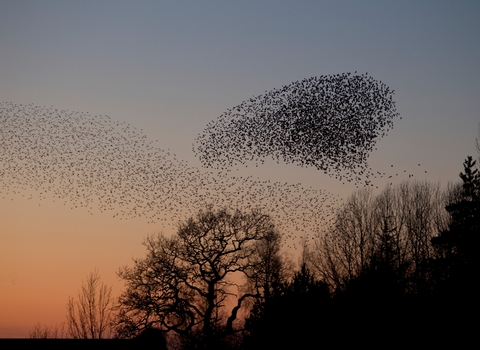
90 316
47 332
268 266
396 225
345 250
189 282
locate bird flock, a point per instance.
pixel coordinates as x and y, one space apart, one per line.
331 122
97 163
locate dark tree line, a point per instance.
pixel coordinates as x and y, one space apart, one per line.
400 265
396 267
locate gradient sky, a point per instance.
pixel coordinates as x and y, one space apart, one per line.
170 67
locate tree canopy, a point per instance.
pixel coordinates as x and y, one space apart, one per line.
190 282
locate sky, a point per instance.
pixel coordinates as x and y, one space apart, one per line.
171 67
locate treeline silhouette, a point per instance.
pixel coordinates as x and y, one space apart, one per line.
394 270
398 268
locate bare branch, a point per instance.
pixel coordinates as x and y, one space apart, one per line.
185 282
90 316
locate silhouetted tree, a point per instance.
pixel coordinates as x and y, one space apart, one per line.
292 316
458 246
46 332
345 250
460 241
268 266
457 262
186 281
393 228
90 316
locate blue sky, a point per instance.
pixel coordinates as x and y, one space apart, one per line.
170 67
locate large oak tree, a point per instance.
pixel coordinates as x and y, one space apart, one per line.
191 283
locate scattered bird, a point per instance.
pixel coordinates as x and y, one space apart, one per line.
96 163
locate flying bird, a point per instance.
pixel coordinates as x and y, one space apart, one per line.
331 122
107 167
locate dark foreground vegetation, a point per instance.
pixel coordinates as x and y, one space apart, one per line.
396 268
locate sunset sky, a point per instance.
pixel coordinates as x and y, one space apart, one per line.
170 67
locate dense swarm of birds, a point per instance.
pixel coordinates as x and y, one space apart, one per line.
331 122
94 162
106 166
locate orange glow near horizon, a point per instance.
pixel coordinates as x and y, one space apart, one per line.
47 251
